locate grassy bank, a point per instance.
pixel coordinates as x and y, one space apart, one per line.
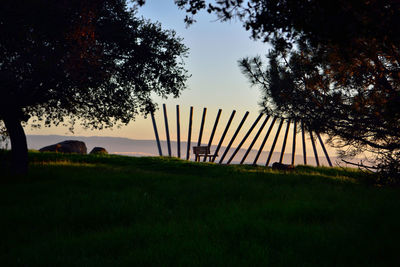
100 210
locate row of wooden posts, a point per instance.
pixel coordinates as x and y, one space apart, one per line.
212 159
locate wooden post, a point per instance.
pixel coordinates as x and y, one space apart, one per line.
234 137
294 141
189 133
156 134
224 134
324 149
274 143
178 131
264 141
284 142
303 137
244 138
167 129
255 139
201 129
314 148
213 131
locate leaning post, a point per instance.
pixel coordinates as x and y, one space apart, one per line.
294 141
201 128
314 148
264 141
234 137
324 149
178 131
245 138
223 135
213 131
255 139
156 134
189 133
167 129
274 143
303 138
284 142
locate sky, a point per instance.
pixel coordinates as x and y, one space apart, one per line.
216 82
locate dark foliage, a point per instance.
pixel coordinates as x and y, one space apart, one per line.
334 64
91 61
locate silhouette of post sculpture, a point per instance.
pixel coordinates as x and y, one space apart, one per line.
201 129
212 156
189 133
244 138
324 149
254 140
303 138
178 132
294 141
156 134
274 143
234 136
213 131
314 148
284 142
167 129
224 134
264 141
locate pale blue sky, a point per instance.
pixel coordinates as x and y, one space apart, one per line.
214 50
216 80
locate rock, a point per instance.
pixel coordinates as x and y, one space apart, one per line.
98 150
282 167
68 146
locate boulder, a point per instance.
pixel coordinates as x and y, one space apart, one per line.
68 146
98 150
282 167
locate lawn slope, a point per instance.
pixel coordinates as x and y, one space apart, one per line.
100 210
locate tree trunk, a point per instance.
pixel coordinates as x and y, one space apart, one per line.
19 147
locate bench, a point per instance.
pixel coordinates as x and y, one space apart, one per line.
202 151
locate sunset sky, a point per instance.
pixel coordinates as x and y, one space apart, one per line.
216 81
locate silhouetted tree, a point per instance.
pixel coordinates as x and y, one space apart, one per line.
334 64
90 61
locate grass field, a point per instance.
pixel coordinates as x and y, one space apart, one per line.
112 210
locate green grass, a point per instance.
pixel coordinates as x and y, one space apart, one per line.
76 210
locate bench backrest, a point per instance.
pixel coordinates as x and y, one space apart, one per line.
201 150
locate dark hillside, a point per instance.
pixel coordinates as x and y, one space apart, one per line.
76 210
